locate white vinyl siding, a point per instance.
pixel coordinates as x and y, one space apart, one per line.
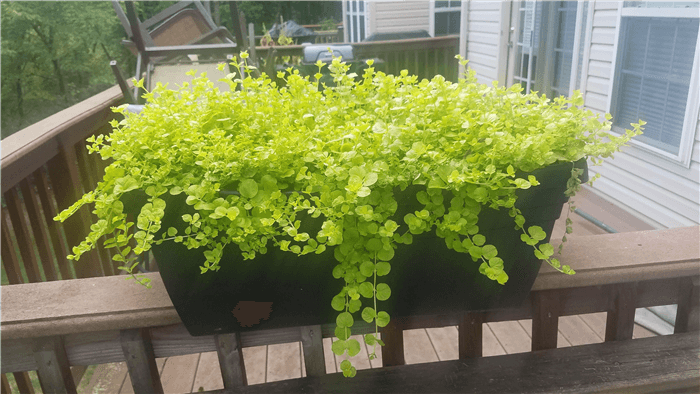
483 39
395 16
661 192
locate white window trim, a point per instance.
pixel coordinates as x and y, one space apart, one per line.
349 31
433 10
692 107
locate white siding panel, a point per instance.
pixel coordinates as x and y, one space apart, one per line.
603 35
601 52
597 85
481 59
685 187
484 49
487 15
642 185
600 69
393 6
487 72
483 38
597 102
393 16
605 18
400 13
642 206
484 27
484 5
606 5
402 24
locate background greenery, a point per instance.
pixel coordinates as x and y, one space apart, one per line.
57 53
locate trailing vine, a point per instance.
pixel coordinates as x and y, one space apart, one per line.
258 160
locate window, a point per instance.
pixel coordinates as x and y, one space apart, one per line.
655 63
446 18
355 17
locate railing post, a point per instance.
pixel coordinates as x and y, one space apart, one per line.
230 352
392 353
470 334
52 366
312 343
141 361
620 322
688 314
545 319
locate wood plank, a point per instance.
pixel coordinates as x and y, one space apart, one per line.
526 324
208 375
393 351
58 242
418 348
5 385
330 357
229 350
445 340
688 315
576 332
24 382
141 361
641 332
22 235
256 364
39 228
283 362
596 322
471 332
178 373
491 345
53 367
546 308
511 336
619 365
10 260
312 348
620 321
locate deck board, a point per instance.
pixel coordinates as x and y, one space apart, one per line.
444 340
208 375
417 347
283 361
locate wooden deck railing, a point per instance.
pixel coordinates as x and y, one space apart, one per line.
50 326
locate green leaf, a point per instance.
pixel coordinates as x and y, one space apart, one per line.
383 268
374 245
354 305
344 320
382 319
489 251
370 339
386 254
342 333
367 268
338 347
537 233
345 365
368 314
353 347
248 188
338 303
172 231
383 292
547 249
366 289
478 239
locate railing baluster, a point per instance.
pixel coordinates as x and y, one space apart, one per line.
53 368
545 320
230 352
470 335
5 388
141 361
392 352
66 184
10 260
620 322
24 382
21 227
41 234
688 314
312 343
48 200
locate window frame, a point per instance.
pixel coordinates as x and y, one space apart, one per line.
435 10
692 107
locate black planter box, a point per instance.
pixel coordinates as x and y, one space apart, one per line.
271 291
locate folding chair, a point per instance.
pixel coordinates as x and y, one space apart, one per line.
167 51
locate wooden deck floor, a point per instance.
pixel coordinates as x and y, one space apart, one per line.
198 372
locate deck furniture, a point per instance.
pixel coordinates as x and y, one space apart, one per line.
50 326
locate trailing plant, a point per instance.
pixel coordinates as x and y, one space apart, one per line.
336 153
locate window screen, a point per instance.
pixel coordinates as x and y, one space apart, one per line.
656 62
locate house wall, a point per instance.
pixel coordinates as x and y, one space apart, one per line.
659 191
392 16
483 39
